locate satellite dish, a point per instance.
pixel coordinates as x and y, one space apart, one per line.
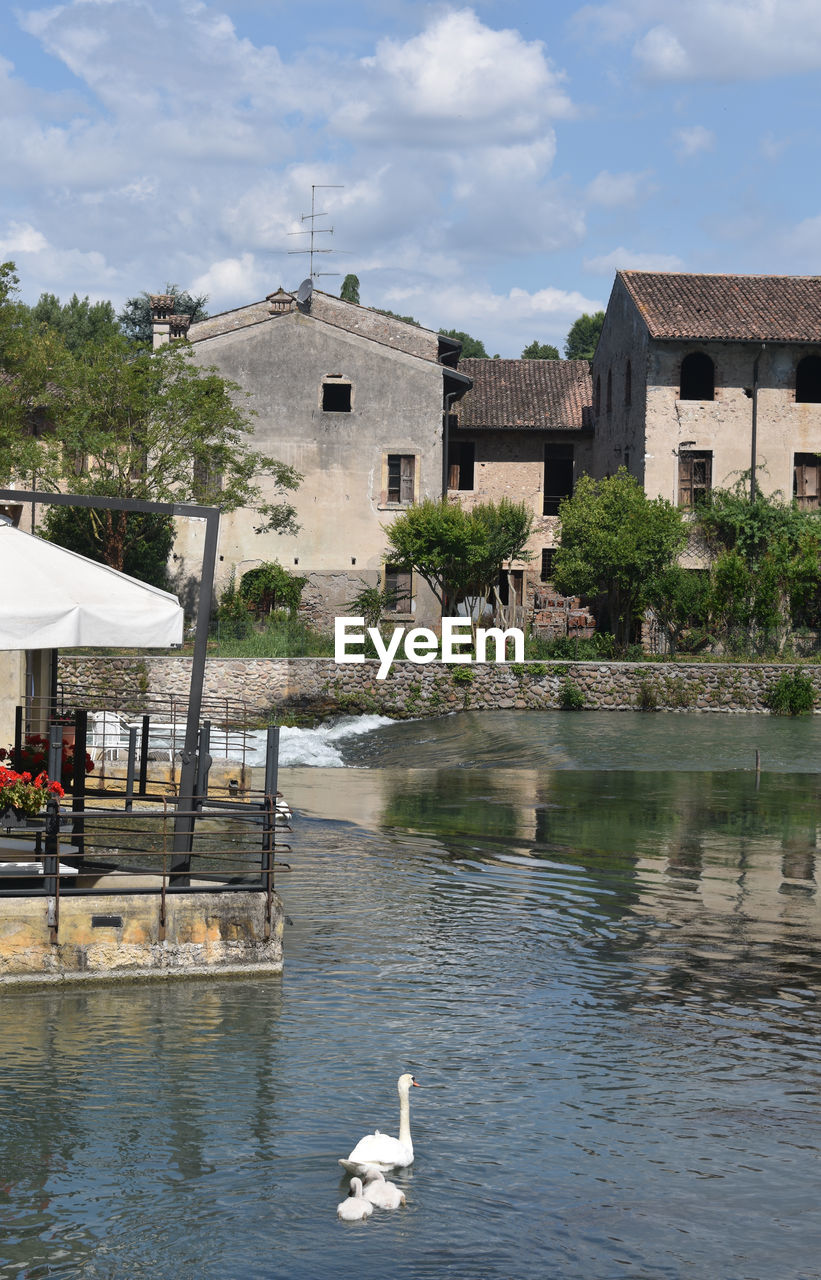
303 293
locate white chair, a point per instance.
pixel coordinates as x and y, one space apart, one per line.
107 736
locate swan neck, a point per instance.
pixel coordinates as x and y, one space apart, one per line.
404 1119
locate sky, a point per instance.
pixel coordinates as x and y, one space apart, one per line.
485 168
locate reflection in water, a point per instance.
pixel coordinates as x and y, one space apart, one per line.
604 979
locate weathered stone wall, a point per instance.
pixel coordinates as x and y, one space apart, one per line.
205 934
318 686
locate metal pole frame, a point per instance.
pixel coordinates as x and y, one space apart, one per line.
183 822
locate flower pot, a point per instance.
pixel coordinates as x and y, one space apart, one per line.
18 818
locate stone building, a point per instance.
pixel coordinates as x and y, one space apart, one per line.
700 380
525 432
355 401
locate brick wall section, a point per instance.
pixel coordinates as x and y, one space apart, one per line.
274 688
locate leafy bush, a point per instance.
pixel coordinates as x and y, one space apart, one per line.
233 617
270 587
463 676
793 694
571 697
647 698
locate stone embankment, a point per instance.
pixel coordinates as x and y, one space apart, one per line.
290 688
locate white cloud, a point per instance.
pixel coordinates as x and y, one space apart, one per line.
693 140
457 83
187 152
622 259
21 237
711 39
618 190
505 322
231 278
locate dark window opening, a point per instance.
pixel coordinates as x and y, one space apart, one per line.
698 377
548 560
398 584
695 476
207 482
336 397
401 473
597 397
510 587
461 461
628 384
807 481
558 476
808 380
609 390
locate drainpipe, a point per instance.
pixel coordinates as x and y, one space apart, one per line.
754 432
450 396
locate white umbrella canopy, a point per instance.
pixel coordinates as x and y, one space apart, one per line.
51 598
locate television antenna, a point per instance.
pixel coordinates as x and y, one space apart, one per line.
314 230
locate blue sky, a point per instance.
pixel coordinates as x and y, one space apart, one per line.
497 163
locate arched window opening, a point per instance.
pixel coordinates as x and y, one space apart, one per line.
808 380
697 377
628 384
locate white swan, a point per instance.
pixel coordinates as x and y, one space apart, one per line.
355 1207
379 1149
385 1195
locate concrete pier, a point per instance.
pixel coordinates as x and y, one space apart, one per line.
121 936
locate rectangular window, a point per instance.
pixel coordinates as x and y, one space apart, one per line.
399 586
558 476
461 460
401 476
548 557
807 481
207 483
336 396
695 476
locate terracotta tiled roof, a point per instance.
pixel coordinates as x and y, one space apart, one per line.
544 394
739 308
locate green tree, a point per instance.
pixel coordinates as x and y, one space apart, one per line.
540 351
583 336
680 600
135 317
472 348
764 580
148 539
29 394
615 540
350 289
155 425
78 321
459 553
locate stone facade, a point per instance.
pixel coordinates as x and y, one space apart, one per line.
350 399
507 429
644 422
280 689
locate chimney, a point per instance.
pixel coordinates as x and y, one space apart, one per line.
162 305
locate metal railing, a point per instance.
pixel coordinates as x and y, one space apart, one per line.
131 852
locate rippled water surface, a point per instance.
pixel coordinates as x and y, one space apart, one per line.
595 941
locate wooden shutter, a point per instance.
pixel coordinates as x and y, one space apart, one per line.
407 466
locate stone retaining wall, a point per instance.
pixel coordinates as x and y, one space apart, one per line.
314 687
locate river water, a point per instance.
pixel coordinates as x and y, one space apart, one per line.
593 938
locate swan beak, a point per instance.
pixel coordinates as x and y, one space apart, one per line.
415 1082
